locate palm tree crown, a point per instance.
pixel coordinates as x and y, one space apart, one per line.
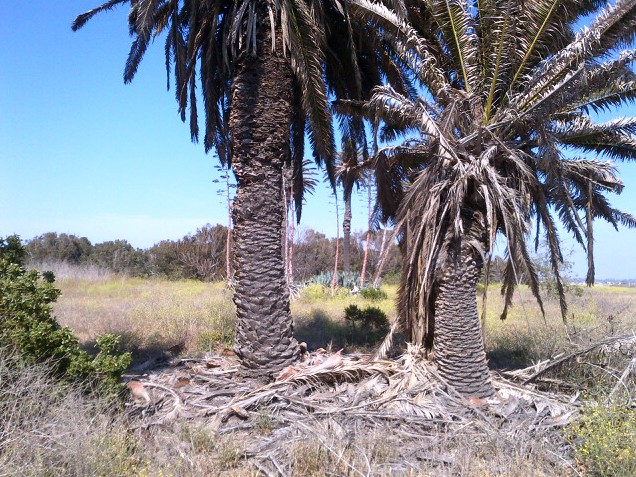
208 36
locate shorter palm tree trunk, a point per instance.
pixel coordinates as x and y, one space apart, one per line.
459 347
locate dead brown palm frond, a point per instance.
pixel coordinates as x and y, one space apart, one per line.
408 388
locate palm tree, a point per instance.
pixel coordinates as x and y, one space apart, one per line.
261 67
510 93
350 173
297 181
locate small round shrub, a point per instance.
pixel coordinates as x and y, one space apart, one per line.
366 326
373 294
28 328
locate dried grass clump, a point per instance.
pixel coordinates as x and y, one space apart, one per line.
51 428
85 273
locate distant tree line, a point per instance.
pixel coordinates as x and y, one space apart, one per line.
200 256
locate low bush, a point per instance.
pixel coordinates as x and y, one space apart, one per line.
373 294
366 326
28 328
343 279
604 439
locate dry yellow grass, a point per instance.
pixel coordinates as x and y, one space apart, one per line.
153 313
148 313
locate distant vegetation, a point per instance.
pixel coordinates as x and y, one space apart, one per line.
198 256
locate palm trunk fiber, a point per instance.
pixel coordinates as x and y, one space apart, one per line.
259 121
459 347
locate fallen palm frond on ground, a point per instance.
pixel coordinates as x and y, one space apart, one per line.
343 395
612 359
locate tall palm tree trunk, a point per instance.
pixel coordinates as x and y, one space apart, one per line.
259 123
228 240
368 241
459 347
334 278
346 235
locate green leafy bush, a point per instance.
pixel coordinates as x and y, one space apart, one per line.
604 439
28 328
373 294
366 326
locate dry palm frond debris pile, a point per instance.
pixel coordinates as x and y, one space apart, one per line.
333 395
612 360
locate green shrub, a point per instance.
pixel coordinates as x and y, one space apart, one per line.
373 294
604 439
28 328
366 326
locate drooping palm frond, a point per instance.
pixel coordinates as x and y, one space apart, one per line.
205 38
615 139
416 51
605 85
81 20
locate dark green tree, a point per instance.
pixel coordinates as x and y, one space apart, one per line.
120 257
51 247
29 329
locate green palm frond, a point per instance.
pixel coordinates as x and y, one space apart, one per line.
301 37
458 26
81 20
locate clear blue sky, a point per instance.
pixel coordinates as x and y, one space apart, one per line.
82 153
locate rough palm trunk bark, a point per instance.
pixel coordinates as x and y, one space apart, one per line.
368 241
259 122
290 253
459 348
346 235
